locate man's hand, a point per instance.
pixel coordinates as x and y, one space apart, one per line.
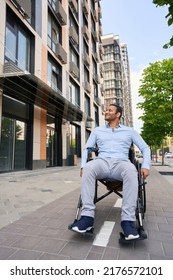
81 172
145 172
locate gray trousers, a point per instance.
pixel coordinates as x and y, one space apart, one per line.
110 169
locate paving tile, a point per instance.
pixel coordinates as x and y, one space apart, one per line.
155 257
156 219
165 228
6 252
132 255
168 249
47 256
12 228
164 214
110 253
50 245
149 246
160 236
94 256
26 242
76 250
9 238
33 230
25 255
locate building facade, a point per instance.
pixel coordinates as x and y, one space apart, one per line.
50 93
116 76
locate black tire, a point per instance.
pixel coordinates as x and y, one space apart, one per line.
141 192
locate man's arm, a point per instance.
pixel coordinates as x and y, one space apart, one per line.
144 148
90 144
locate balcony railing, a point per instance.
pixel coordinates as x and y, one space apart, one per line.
87 86
61 14
73 5
85 7
86 59
61 53
73 35
10 67
74 70
86 32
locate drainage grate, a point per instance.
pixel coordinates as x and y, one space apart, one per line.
46 190
169 173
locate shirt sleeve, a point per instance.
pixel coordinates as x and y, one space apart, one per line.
89 144
144 148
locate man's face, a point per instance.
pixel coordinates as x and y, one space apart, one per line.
110 114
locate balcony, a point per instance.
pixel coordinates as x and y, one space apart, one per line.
96 77
86 59
100 30
85 7
101 71
96 56
95 35
61 14
74 70
96 15
99 13
73 5
73 35
97 100
23 6
10 67
85 32
61 53
87 86
88 124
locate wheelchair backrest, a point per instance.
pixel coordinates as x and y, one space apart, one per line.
96 151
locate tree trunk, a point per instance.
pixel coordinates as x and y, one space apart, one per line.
162 150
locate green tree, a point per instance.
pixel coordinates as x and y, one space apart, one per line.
169 16
157 92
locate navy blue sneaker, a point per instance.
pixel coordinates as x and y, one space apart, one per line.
129 229
84 224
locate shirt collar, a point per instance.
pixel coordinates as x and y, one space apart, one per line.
107 125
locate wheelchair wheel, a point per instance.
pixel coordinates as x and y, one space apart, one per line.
141 203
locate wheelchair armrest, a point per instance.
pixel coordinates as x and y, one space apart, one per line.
90 151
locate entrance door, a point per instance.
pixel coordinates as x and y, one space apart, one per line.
12 145
50 147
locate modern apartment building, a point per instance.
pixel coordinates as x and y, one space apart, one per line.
116 76
50 95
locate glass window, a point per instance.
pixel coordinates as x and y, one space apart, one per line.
17 45
10 45
87 105
54 33
74 96
55 75
13 145
23 51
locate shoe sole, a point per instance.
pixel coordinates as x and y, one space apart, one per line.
132 237
81 231
122 239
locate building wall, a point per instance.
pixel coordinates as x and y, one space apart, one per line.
119 91
37 92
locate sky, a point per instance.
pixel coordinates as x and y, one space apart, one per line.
143 27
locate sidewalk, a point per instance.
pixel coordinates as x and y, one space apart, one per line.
37 206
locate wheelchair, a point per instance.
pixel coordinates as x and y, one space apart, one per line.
116 187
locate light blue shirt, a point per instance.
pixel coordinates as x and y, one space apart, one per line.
116 144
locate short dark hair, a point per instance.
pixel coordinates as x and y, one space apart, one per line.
118 107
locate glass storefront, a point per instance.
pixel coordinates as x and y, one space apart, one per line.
12 145
51 135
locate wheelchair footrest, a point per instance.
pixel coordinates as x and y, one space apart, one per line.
142 236
89 233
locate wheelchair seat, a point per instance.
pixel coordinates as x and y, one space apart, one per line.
116 187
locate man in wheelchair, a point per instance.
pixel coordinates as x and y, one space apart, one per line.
112 163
